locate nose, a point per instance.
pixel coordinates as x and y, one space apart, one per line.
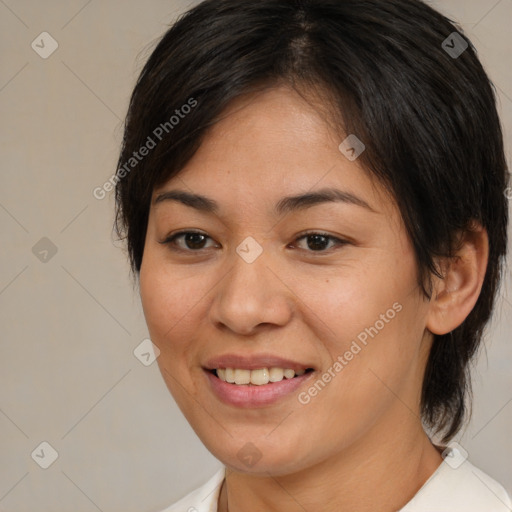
251 296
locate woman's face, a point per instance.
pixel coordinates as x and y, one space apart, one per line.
253 291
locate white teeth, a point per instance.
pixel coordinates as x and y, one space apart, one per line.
289 374
257 377
230 375
242 376
260 377
276 374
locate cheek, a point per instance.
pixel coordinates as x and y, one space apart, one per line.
169 302
369 321
366 381
168 305
353 299
175 305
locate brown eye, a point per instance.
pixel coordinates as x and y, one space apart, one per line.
319 242
192 241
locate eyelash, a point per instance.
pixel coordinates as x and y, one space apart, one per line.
170 241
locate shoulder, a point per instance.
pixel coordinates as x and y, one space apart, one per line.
202 499
464 488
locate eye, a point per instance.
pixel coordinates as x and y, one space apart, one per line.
319 242
194 241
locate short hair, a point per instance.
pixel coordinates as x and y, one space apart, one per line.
385 72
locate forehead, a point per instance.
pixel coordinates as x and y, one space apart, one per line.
277 122
270 144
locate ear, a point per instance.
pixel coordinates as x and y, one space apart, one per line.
456 294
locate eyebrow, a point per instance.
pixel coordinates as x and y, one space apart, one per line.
284 205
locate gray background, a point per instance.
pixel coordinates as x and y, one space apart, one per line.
69 324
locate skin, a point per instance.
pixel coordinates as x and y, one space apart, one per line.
359 444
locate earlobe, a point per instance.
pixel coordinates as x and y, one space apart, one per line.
456 294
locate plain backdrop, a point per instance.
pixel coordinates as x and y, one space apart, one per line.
70 317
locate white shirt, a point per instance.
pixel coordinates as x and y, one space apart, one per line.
464 489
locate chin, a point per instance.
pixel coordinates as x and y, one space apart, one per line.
258 458
276 467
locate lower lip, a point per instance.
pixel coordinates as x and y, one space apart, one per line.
248 396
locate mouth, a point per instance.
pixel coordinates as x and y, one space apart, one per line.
258 376
256 387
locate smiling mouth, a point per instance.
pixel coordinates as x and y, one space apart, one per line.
257 377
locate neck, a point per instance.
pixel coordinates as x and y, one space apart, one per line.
380 472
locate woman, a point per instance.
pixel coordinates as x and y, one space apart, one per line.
313 197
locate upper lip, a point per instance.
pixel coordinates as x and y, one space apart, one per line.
253 362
